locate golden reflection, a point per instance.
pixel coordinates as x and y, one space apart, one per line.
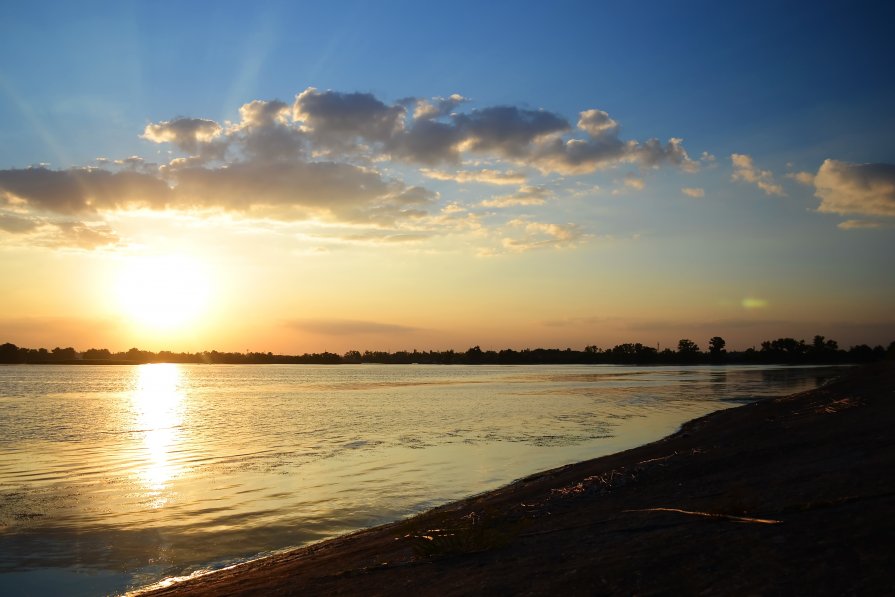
157 402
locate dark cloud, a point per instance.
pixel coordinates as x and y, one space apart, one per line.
342 191
187 134
427 142
507 130
337 119
265 133
83 190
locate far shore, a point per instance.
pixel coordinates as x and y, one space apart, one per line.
792 495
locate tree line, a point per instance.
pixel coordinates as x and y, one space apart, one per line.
688 352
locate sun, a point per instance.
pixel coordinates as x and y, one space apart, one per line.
163 293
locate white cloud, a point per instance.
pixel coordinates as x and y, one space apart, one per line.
540 235
487 176
526 195
744 170
597 123
805 178
693 192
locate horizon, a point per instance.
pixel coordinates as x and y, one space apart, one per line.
328 177
819 344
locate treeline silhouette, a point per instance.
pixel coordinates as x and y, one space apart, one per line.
780 351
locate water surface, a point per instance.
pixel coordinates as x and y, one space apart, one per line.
113 477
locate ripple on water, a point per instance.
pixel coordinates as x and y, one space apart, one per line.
112 477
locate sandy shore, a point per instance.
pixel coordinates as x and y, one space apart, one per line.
793 495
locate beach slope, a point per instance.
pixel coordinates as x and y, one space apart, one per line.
793 495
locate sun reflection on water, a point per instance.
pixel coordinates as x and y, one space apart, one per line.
157 401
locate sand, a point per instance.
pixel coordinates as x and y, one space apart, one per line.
793 495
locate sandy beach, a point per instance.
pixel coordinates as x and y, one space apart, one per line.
792 495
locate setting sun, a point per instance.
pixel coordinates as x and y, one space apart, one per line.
163 292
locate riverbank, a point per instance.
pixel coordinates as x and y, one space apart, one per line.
783 496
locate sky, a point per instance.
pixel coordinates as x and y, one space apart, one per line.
307 176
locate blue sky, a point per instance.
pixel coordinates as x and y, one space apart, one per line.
790 79
784 85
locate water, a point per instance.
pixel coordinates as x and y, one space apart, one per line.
114 477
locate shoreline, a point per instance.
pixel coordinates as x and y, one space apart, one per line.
784 495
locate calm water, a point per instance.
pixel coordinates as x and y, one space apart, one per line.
115 477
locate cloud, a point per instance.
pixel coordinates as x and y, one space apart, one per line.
338 120
80 235
58 233
744 170
695 192
15 224
300 190
597 123
427 142
338 157
540 235
539 138
863 189
486 176
856 224
507 131
526 195
264 133
805 178
632 181
187 134
581 156
437 107
348 327
83 190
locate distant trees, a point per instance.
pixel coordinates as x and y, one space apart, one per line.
97 354
782 350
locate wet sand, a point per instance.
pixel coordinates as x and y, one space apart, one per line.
793 495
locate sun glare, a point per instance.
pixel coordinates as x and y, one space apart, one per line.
157 402
163 293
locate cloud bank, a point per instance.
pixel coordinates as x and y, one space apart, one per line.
335 157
